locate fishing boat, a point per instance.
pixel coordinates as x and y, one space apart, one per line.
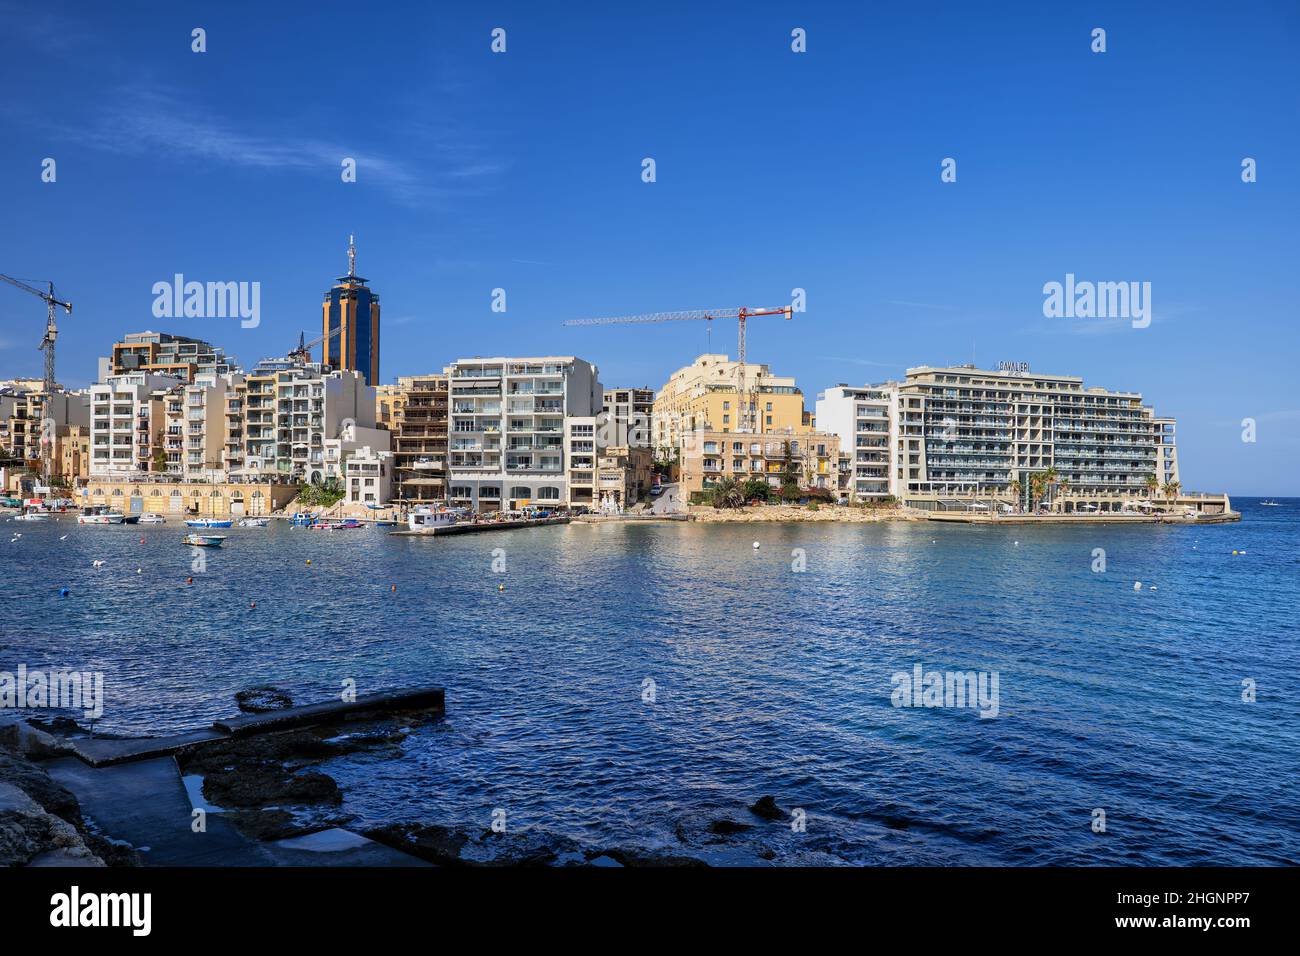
32 515
302 519
204 540
207 523
424 518
99 514
150 518
254 522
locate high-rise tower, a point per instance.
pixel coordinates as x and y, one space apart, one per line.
351 323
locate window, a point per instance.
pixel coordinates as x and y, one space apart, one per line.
548 494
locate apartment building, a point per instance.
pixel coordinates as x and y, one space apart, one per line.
160 353
808 459
626 417
863 420
289 411
127 414
24 412
415 412
705 396
510 434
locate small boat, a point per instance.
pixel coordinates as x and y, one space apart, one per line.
254 522
32 515
207 523
100 514
334 525
204 540
384 523
130 519
150 518
302 519
424 518
1270 504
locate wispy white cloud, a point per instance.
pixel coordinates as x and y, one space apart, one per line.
151 122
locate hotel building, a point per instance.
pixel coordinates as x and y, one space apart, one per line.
350 324
962 432
509 422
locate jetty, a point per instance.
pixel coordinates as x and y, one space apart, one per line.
473 527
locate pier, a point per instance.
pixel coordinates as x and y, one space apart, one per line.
471 527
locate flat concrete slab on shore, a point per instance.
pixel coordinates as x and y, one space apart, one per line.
145 803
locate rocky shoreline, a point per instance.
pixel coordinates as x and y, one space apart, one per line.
759 513
41 823
274 786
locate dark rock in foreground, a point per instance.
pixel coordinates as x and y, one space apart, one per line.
766 808
263 699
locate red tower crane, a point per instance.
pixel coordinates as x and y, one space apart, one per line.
707 315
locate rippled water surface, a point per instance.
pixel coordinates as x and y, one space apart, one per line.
766 680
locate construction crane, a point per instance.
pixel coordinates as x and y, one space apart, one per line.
303 351
46 346
707 315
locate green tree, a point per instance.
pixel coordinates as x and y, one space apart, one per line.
756 488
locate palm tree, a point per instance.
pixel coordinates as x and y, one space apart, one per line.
1153 485
1171 489
1050 479
1037 488
726 493
1016 488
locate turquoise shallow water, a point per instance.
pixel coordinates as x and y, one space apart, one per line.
766 680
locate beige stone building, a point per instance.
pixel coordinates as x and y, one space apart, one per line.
415 412
177 499
812 459
704 396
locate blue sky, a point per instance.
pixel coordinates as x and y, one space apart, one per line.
775 170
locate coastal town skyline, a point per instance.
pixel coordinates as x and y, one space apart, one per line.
471 181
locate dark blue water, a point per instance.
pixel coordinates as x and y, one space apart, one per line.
766 680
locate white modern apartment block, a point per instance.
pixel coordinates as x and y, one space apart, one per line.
127 412
289 413
507 429
863 418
